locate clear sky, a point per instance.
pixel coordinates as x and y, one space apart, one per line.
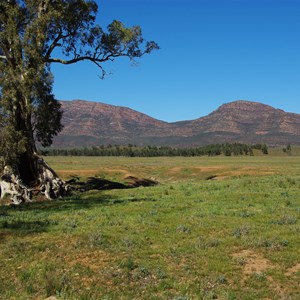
212 52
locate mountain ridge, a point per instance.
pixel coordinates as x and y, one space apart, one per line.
94 123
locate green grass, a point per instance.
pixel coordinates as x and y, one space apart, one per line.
216 228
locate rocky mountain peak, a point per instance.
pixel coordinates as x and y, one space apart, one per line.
93 123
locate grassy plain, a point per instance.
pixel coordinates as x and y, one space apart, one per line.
215 228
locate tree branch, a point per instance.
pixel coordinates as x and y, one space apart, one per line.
93 59
53 46
82 58
56 43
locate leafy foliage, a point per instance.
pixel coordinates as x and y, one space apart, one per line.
46 111
12 144
31 33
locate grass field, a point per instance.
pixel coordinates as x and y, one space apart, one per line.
215 228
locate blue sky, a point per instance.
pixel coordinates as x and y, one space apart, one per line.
212 52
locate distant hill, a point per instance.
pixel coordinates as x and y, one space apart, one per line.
93 123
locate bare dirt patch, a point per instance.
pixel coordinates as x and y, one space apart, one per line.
92 172
204 169
254 263
212 168
291 271
124 173
79 172
222 172
222 178
95 260
250 172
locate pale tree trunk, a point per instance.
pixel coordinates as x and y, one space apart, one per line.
30 175
35 177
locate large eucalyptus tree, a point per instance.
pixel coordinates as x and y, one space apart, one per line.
33 35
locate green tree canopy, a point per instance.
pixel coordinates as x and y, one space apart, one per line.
33 35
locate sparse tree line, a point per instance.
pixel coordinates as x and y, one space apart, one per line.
129 150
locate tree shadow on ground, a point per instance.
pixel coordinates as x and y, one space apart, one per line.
95 183
86 196
12 219
39 216
26 226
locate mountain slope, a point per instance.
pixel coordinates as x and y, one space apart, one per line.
87 123
92 123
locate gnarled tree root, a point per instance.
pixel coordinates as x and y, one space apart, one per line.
11 184
48 184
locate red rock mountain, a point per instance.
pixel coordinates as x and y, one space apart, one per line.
93 123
